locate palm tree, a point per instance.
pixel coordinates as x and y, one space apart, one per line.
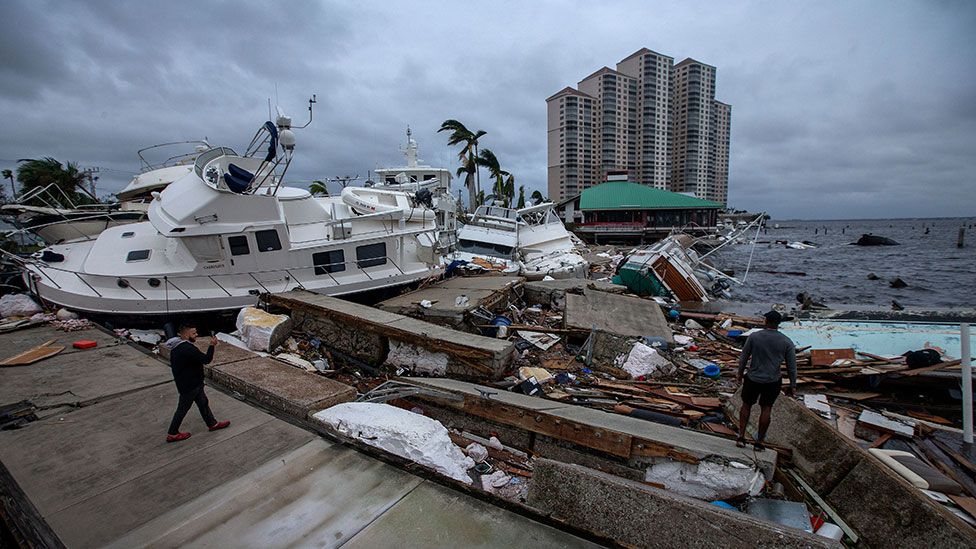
509 190
460 135
9 174
487 159
318 187
33 173
521 200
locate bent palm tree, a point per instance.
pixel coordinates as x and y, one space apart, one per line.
461 135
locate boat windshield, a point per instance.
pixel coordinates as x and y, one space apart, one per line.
206 157
476 247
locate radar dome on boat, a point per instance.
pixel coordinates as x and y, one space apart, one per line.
287 139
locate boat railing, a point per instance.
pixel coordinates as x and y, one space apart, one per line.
188 286
350 223
65 221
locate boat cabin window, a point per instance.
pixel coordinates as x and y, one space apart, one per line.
329 262
371 255
267 240
137 255
238 245
485 248
128 234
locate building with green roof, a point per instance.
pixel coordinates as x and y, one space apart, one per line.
623 211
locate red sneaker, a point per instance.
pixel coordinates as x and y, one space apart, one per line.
220 425
177 437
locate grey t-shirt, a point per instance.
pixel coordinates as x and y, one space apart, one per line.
768 349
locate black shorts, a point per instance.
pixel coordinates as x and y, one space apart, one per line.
766 393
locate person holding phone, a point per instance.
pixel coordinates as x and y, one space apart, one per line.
187 363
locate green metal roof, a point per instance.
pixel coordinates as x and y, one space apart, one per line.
624 195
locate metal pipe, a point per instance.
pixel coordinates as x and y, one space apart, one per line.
967 384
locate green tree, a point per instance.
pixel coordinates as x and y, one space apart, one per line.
34 173
468 155
509 190
486 159
521 200
318 187
9 174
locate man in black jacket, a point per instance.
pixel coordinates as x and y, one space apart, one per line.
187 363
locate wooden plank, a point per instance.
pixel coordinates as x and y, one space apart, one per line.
34 354
932 368
878 442
960 459
618 444
826 357
968 504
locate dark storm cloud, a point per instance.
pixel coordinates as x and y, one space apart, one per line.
839 109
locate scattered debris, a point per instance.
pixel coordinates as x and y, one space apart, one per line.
412 436
18 305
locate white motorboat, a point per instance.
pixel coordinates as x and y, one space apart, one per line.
228 231
530 241
420 178
60 220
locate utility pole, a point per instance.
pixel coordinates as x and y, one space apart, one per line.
90 175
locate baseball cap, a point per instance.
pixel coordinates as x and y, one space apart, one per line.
773 317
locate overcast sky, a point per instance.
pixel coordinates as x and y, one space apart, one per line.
839 109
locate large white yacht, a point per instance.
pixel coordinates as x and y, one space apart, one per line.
417 178
531 241
229 230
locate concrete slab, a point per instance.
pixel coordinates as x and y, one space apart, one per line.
553 292
481 291
433 516
76 376
696 443
643 516
616 314
365 333
224 353
282 387
543 414
111 459
319 494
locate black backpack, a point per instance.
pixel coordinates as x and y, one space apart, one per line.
922 358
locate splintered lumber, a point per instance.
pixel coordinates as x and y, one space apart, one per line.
34 354
827 357
931 368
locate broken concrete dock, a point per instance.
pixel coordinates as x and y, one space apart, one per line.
94 469
374 337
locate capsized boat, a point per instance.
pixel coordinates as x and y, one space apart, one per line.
229 230
531 241
671 268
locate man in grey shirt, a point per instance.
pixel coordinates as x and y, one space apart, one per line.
763 353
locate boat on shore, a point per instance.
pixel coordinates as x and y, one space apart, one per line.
530 241
229 230
423 180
